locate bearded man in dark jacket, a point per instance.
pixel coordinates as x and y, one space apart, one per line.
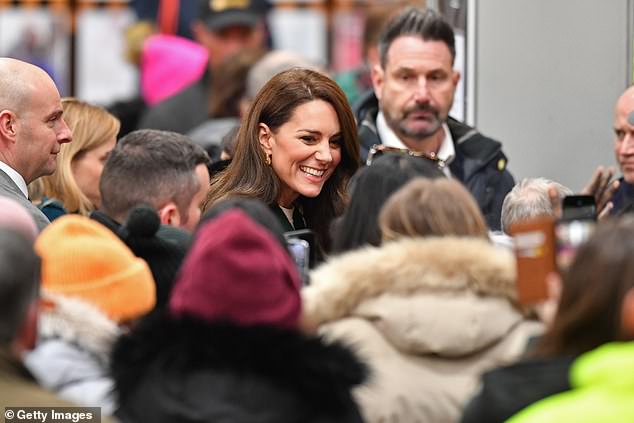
414 87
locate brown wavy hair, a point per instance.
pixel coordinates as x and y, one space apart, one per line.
593 290
249 176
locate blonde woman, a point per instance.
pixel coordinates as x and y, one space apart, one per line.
74 187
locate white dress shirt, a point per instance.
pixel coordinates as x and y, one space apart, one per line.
15 177
446 152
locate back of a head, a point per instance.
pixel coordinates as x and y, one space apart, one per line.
426 207
370 188
150 167
19 271
593 290
270 65
162 247
258 211
529 199
91 125
229 84
422 23
236 271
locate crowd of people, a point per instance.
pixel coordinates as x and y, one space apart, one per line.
149 272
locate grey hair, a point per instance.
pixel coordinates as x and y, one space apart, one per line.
529 199
270 65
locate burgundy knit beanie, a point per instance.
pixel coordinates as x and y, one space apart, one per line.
237 271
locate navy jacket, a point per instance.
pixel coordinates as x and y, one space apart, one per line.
623 198
480 163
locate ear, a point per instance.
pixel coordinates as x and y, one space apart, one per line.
455 78
8 124
378 78
265 136
169 214
627 314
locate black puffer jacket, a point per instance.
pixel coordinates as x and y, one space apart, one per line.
183 370
507 390
479 164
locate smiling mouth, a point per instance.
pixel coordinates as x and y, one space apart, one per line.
312 172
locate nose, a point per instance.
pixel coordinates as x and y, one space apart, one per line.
323 153
65 134
421 95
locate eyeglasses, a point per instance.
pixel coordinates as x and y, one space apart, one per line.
378 150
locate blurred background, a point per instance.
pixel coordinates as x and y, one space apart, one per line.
84 44
540 76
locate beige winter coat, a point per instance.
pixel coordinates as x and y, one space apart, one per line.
428 316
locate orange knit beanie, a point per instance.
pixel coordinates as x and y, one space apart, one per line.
83 259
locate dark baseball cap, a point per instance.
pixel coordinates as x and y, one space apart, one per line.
219 14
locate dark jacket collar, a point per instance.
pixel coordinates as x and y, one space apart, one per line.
305 365
473 151
105 220
623 198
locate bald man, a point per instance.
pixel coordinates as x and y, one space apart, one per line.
624 149
32 130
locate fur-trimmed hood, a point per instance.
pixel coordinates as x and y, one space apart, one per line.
72 355
449 296
182 363
79 323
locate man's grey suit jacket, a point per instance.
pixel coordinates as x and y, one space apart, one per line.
8 188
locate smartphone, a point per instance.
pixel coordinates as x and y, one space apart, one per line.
579 207
308 236
300 252
535 255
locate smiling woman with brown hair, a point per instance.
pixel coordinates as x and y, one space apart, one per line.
295 150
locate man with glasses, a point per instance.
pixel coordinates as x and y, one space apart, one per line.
414 87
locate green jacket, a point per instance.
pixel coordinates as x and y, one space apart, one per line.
603 390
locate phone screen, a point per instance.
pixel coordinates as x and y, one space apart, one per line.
300 251
308 236
579 207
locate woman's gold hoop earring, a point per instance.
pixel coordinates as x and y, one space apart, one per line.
268 160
